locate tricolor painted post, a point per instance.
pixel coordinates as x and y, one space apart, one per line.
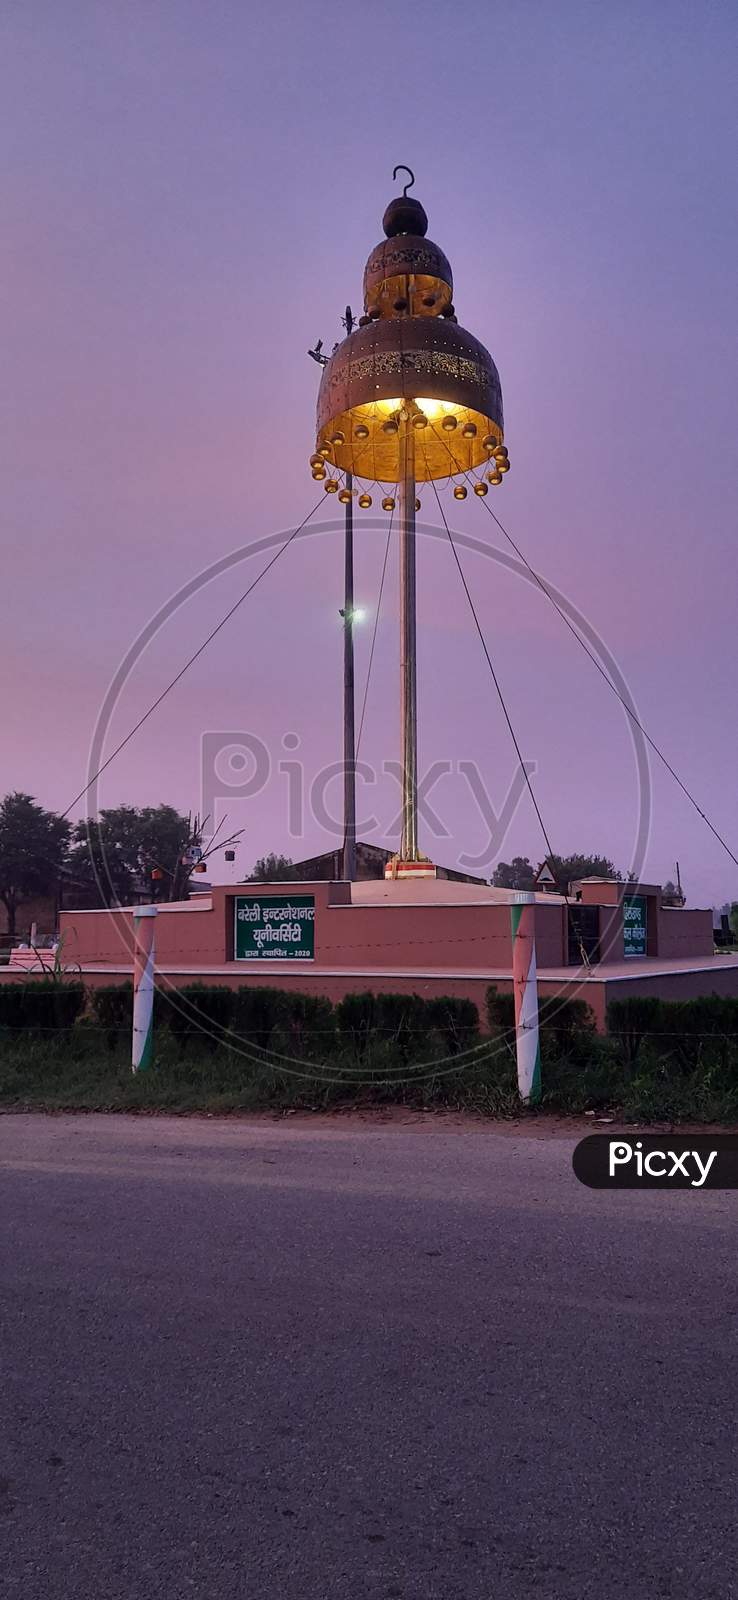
522 913
143 987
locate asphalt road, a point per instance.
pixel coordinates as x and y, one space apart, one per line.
314 1361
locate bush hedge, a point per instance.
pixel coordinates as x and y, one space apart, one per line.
46 1005
688 1034
413 1026
259 1013
661 1060
630 1020
197 1011
112 1007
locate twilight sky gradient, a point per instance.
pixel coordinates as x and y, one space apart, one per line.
190 192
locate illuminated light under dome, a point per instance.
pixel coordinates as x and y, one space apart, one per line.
409 361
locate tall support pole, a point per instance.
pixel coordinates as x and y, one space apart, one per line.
349 737
408 660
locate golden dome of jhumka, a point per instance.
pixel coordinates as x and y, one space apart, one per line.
408 360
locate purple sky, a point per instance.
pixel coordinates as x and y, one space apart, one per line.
190 193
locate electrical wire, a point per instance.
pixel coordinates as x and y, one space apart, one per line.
193 658
608 680
495 678
565 893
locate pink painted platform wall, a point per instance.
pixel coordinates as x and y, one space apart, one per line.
684 933
462 936
465 936
104 938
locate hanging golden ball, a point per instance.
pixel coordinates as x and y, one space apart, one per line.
449 423
480 489
459 492
503 466
390 426
388 503
365 500
361 431
489 443
345 496
469 430
316 460
325 452
331 486
420 420
494 477
319 473
500 452
338 438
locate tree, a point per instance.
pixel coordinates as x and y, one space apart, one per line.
121 849
33 849
567 868
519 874
515 874
274 869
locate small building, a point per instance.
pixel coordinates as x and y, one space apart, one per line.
372 861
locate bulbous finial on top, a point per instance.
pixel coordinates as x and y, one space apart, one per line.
405 215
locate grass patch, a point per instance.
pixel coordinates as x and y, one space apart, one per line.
79 1071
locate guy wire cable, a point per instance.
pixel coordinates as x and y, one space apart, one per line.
232 609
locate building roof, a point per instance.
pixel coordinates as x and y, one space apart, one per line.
436 892
328 865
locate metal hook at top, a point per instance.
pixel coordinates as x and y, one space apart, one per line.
409 185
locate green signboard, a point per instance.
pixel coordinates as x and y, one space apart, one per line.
274 927
634 925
